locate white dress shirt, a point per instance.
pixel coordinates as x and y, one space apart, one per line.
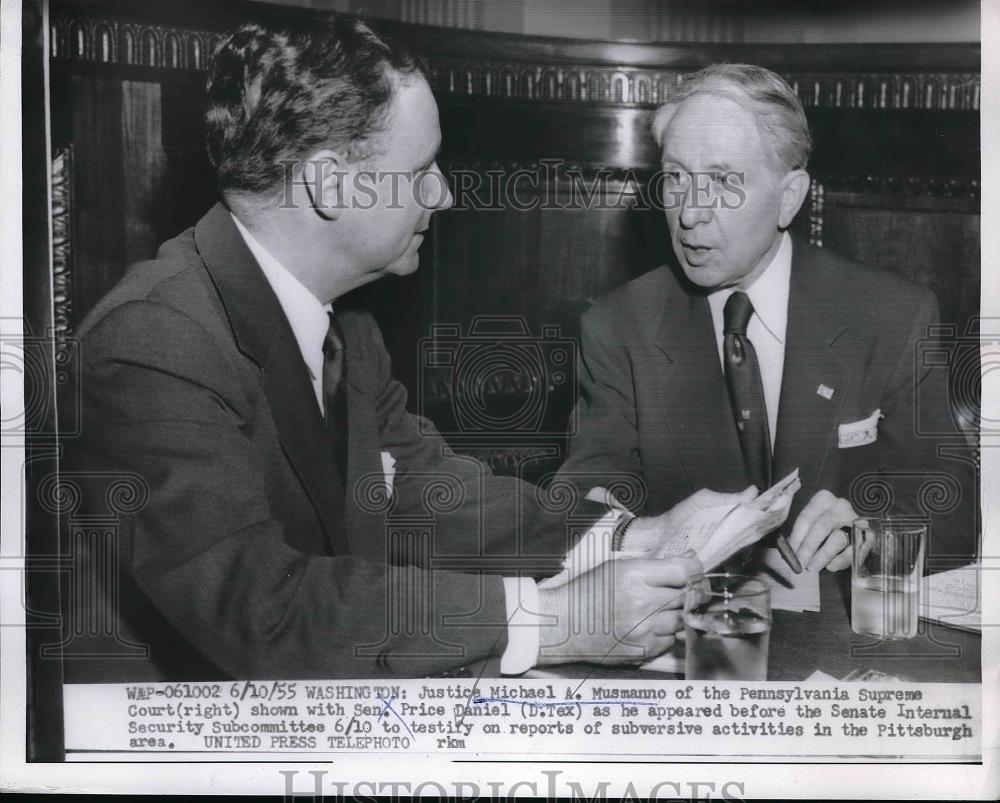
766 330
306 314
309 320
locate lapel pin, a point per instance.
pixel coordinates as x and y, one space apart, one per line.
746 415
825 392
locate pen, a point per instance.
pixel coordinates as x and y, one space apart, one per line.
786 552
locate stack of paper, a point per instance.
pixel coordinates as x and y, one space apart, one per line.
952 598
789 591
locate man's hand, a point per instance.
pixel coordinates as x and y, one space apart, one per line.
652 533
740 524
623 611
817 538
744 526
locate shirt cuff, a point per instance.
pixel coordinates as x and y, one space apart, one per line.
593 549
523 622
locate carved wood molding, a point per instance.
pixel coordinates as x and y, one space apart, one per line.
62 242
615 179
639 86
963 188
111 41
84 37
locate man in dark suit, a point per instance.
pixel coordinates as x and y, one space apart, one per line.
296 520
765 354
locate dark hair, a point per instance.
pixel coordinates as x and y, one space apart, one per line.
777 109
279 92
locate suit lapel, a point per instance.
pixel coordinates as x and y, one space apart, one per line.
815 381
263 333
694 397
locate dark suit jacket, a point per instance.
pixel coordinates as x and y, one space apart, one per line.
654 405
246 560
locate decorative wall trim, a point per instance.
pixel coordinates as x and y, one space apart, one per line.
965 188
62 245
615 178
112 41
441 12
641 86
588 84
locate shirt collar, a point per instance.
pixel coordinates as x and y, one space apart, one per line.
768 294
306 314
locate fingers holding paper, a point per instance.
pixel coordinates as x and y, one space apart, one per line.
749 521
658 535
681 513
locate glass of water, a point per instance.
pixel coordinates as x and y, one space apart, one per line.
727 626
887 563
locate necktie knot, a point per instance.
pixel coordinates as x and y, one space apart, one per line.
737 314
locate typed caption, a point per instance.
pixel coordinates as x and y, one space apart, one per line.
597 718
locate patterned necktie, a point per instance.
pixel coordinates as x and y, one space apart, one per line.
335 393
746 391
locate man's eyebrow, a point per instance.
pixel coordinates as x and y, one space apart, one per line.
715 167
670 160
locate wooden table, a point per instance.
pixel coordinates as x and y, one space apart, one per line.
802 643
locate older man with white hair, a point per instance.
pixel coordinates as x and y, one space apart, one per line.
757 353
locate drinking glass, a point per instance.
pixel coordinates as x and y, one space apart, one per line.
727 626
887 563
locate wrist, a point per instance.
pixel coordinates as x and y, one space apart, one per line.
621 528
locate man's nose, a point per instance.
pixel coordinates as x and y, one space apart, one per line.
448 202
695 207
441 201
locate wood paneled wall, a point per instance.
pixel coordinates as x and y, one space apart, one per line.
896 172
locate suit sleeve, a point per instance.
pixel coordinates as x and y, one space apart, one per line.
161 401
919 439
604 451
480 520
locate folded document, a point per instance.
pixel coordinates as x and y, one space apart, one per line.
952 598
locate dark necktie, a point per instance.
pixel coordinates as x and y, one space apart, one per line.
335 393
746 391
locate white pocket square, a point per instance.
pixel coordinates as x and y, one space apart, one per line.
859 433
388 470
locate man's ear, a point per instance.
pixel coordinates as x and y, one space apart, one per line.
794 188
322 177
